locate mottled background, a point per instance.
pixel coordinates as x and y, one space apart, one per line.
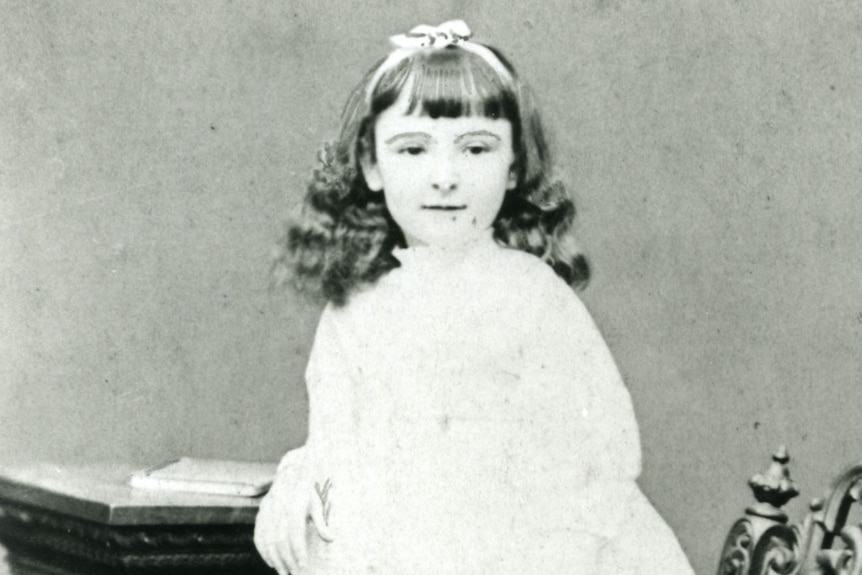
149 152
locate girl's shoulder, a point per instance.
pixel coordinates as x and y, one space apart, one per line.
519 259
522 267
539 289
491 275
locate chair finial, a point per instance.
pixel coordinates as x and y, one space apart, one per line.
773 488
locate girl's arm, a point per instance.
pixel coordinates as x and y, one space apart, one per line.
295 497
329 380
281 525
588 446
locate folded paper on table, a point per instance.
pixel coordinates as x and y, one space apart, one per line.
211 476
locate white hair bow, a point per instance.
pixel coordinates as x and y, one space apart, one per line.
424 37
437 37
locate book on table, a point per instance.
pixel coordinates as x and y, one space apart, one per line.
210 476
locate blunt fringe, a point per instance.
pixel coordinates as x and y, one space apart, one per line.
343 238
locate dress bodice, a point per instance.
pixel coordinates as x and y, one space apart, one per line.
463 407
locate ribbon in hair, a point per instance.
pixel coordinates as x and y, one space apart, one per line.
437 37
454 33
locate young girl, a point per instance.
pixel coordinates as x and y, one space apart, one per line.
466 416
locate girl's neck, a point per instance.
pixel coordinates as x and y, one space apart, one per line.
444 254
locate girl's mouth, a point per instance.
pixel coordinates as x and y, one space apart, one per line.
443 208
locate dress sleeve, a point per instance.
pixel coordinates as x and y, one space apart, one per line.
328 383
582 420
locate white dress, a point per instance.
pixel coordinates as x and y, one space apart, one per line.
472 421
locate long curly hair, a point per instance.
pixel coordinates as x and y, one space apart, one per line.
344 236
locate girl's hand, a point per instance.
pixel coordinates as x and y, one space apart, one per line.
281 526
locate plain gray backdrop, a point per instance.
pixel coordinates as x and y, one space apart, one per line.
149 152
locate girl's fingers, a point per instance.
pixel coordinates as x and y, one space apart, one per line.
263 536
271 540
263 548
280 534
285 563
318 517
264 553
277 555
296 538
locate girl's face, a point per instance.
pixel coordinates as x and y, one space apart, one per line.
444 179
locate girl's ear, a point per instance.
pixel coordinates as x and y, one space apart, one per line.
371 173
512 182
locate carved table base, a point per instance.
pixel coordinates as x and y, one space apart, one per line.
59 534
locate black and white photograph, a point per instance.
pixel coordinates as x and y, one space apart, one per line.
448 287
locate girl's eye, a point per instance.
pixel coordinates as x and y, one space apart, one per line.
475 149
411 150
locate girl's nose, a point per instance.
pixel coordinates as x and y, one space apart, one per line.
445 177
444 187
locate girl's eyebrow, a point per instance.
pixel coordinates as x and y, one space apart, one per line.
422 135
477 133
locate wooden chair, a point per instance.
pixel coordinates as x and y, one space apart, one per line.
763 542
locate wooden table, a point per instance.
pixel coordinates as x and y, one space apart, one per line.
85 519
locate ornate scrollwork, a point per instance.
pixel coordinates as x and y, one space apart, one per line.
774 488
736 555
846 560
776 552
762 543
